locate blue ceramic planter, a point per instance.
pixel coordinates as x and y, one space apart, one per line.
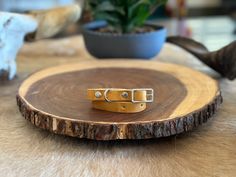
107 45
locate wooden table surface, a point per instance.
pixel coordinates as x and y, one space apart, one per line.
209 150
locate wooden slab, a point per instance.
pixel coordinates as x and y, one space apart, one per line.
55 99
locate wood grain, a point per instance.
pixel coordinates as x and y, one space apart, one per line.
55 99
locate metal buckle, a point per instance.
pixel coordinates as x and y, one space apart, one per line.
149 95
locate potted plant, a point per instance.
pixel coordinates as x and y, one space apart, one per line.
120 29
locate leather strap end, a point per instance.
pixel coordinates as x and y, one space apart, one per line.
120 107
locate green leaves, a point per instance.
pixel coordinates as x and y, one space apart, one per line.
124 15
107 6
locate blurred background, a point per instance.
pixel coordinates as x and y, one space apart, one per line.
212 22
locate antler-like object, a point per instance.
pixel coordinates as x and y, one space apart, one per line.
51 22
223 60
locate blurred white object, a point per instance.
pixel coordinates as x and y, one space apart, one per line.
13 28
40 24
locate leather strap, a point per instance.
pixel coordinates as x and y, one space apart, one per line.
120 100
114 95
121 107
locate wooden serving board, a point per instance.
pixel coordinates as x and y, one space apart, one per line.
55 99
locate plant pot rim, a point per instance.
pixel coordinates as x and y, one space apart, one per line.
88 28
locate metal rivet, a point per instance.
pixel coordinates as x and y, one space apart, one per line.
98 94
125 95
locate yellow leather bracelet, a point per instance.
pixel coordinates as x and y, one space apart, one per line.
120 100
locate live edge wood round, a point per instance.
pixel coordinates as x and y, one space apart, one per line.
55 99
